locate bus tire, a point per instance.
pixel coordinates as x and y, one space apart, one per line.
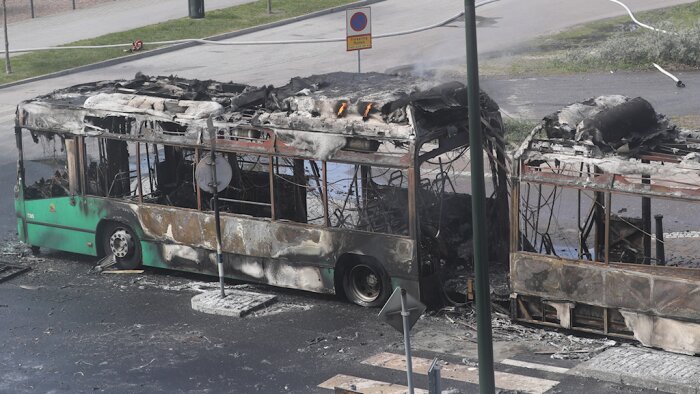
120 240
35 250
366 283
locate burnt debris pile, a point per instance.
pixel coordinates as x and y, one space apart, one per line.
620 125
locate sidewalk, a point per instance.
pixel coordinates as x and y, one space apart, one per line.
20 10
101 19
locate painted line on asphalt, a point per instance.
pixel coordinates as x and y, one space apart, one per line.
462 373
681 234
365 386
529 365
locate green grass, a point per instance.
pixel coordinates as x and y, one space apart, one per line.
517 129
612 44
678 17
691 122
216 22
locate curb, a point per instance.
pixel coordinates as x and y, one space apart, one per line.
177 47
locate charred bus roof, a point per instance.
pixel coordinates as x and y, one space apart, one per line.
318 116
624 139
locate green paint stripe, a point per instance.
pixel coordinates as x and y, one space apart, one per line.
60 226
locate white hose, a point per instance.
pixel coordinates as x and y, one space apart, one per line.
638 22
678 82
241 43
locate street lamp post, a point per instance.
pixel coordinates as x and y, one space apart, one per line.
481 270
8 66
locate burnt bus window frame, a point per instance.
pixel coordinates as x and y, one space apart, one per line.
133 151
68 179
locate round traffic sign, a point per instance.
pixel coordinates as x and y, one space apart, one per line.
204 173
358 21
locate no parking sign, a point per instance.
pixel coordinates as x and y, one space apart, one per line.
359 28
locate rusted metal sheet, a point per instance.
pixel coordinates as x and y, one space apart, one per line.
610 182
659 291
260 238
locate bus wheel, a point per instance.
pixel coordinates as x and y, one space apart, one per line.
35 250
120 241
366 284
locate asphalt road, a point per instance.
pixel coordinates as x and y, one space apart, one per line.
62 28
536 96
62 330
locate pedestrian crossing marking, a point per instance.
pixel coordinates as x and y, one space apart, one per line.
366 386
529 365
504 380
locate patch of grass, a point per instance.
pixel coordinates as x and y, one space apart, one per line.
679 17
517 129
619 44
216 22
691 122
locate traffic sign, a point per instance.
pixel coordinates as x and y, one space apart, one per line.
391 312
204 173
358 23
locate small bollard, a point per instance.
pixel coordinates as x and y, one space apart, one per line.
196 9
660 252
434 386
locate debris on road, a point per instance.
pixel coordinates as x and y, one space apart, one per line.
237 303
123 271
9 271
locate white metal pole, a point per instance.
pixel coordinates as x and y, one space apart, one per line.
407 341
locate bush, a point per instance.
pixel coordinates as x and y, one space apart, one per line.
640 48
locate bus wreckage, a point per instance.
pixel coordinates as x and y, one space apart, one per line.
349 184
585 185
341 183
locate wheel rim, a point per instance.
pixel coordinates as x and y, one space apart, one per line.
121 243
365 283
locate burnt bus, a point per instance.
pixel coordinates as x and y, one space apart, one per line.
340 183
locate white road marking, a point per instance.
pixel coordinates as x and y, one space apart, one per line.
366 386
681 234
504 380
541 367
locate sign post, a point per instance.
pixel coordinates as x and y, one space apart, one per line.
484 334
358 25
213 174
402 311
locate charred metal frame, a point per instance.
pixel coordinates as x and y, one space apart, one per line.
353 134
657 305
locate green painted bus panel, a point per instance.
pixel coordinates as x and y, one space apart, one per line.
67 212
63 223
19 213
20 230
151 257
61 239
